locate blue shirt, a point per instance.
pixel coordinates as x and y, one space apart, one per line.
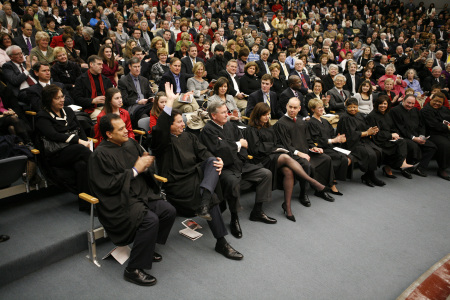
177 82
253 57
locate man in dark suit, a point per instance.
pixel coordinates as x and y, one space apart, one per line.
145 66
187 63
285 68
382 44
353 80
338 95
90 88
88 12
234 84
438 61
263 64
380 68
76 19
295 85
435 79
300 72
26 41
17 71
265 26
6 13
264 95
137 36
135 89
34 92
170 44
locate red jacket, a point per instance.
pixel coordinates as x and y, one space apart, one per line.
124 115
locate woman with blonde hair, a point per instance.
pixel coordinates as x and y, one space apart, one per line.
42 51
127 54
230 50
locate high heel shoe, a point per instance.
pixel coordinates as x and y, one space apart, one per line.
411 169
291 217
388 175
336 193
367 181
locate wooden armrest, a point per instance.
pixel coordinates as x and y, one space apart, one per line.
245 118
249 156
30 113
140 132
88 198
95 141
160 178
332 111
35 151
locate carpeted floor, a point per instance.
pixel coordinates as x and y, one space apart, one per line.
372 243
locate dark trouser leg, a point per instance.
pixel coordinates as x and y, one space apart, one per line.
443 151
155 228
141 256
231 187
210 175
217 225
263 180
428 151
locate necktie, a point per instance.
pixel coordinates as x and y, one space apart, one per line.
29 80
268 99
29 45
79 20
295 93
303 81
294 119
284 70
138 88
342 94
353 84
267 67
310 50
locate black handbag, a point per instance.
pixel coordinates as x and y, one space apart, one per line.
52 147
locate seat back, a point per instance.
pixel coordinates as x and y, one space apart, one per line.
144 123
16 166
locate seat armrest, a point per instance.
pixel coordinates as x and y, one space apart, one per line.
88 198
160 178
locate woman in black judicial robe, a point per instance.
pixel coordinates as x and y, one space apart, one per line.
358 133
263 145
322 133
434 115
394 148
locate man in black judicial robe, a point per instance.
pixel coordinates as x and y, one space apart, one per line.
130 208
225 140
192 172
410 127
294 135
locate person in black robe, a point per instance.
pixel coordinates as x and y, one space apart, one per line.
410 127
358 133
225 140
294 136
436 118
323 134
192 172
130 207
267 150
394 148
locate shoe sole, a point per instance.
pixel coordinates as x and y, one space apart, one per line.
262 221
138 283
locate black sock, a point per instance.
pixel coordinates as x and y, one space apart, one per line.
221 241
258 206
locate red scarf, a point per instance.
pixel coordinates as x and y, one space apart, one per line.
94 90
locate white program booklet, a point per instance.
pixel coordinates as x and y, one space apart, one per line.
346 152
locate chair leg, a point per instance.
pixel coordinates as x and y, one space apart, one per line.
93 234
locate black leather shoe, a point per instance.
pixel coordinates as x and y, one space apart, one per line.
304 200
261 217
406 174
377 181
3 238
324 196
336 193
228 251
445 177
388 175
420 172
235 228
411 169
139 277
367 181
157 257
203 212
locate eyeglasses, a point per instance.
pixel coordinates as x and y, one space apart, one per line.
19 53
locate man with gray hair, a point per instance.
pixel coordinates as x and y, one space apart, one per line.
435 79
438 60
165 26
146 34
338 94
89 45
16 72
224 139
263 63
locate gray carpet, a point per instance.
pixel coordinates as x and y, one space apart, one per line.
372 243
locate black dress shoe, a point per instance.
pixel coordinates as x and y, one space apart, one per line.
324 196
157 257
261 217
228 251
203 212
367 181
138 276
411 169
235 228
420 172
377 181
3 238
304 200
445 177
406 174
